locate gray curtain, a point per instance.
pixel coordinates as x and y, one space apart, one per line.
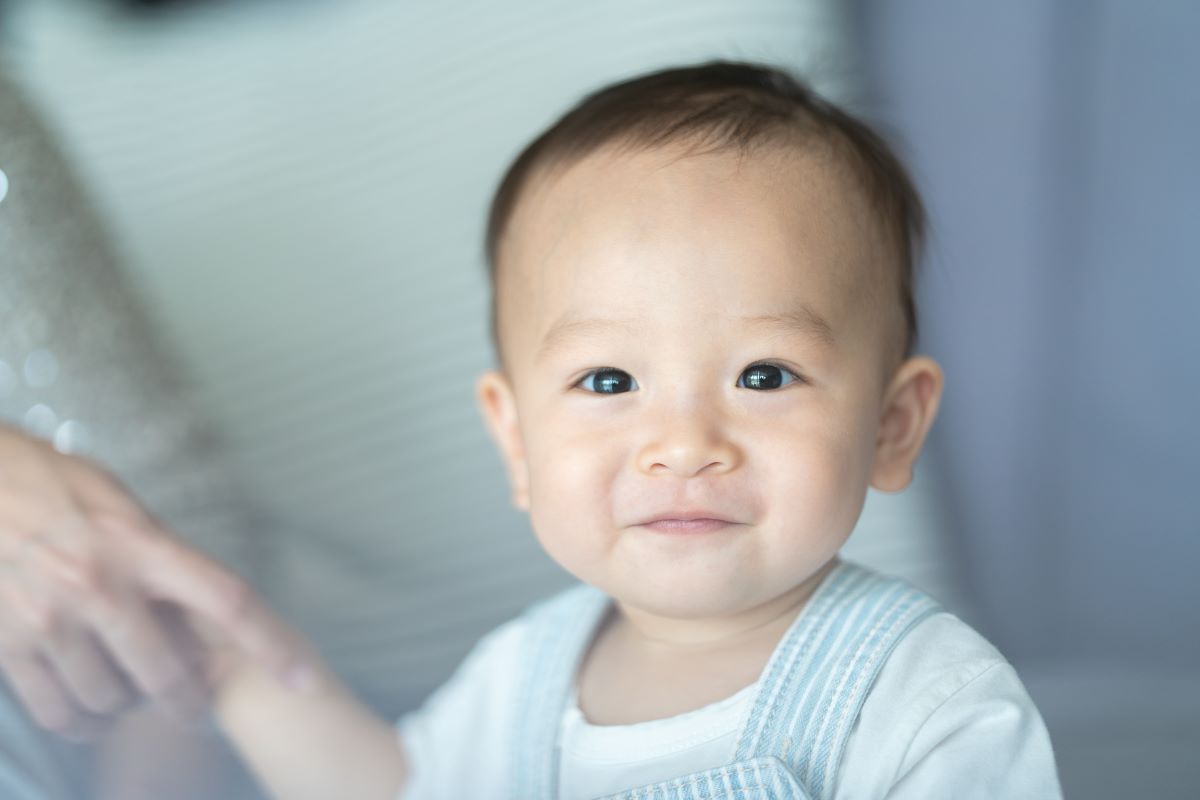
1059 144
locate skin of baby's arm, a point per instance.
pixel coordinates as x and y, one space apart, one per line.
317 741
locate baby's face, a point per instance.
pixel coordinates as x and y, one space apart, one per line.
690 336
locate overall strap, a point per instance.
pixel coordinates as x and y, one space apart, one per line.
814 685
560 631
809 697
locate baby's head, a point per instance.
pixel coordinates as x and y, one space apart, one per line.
702 307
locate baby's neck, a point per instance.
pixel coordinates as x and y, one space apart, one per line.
691 637
641 667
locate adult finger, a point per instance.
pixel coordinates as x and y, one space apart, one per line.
97 490
173 572
36 686
136 641
46 587
90 676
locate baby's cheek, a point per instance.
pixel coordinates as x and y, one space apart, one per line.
845 490
819 486
569 508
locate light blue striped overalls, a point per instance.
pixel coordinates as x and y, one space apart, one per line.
808 698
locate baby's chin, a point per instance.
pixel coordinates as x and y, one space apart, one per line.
686 597
727 590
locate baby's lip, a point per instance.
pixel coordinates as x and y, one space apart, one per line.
687 515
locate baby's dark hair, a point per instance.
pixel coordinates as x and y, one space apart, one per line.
722 105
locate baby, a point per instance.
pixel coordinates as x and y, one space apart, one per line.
703 312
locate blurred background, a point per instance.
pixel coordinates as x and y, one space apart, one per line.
289 197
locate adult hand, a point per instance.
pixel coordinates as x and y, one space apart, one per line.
95 595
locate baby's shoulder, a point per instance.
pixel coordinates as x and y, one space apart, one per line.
484 683
934 661
947 709
471 716
940 655
505 643
942 639
942 674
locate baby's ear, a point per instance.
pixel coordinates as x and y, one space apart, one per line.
494 394
909 408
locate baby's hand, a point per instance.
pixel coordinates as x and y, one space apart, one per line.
225 664
313 739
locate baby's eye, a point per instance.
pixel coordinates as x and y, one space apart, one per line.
766 376
608 381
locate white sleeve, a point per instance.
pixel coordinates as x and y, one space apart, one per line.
456 743
986 740
948 718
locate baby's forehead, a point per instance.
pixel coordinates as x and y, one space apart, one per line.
683 241
617 205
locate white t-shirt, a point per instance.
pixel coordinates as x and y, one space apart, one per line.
947 717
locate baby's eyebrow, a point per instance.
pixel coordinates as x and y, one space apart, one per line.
570 326
803 320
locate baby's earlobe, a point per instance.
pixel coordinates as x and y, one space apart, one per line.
892 480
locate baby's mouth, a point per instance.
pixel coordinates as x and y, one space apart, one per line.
683 526
687 520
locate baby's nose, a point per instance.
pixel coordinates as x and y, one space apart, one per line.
688 446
